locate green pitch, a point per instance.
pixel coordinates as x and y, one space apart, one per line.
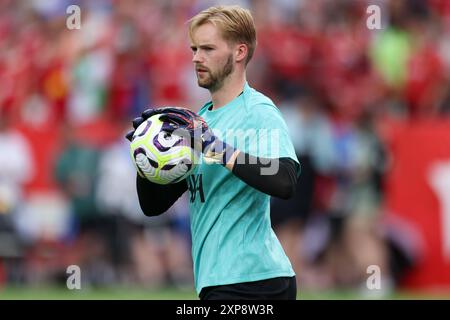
124 293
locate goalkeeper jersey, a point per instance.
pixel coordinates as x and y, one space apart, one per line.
232 238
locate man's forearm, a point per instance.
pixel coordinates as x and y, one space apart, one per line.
276 177
156 199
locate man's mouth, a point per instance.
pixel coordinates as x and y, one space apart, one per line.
202 70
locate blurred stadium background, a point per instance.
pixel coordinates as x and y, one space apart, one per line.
367 109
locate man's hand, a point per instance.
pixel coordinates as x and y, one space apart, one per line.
217 151
179 117
202 138
187 123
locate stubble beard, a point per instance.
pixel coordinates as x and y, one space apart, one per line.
214 81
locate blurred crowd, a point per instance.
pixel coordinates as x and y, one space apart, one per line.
67 185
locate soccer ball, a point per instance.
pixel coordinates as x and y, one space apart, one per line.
160 156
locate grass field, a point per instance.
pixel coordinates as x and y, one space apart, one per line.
123 293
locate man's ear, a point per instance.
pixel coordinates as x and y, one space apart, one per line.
241 52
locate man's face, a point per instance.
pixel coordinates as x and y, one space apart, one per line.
212 57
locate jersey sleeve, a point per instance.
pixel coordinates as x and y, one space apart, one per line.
271 138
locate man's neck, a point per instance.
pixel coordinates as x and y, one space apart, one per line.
229 91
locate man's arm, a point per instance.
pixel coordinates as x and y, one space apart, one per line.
256 172
282 183
156 199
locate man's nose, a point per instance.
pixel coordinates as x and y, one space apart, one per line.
197 57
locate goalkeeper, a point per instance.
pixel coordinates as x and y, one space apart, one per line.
235 252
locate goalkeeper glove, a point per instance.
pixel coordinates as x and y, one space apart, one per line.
188 123
173 115
215 150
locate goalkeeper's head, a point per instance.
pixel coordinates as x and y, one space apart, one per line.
223 40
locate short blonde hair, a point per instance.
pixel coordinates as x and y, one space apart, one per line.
234 22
